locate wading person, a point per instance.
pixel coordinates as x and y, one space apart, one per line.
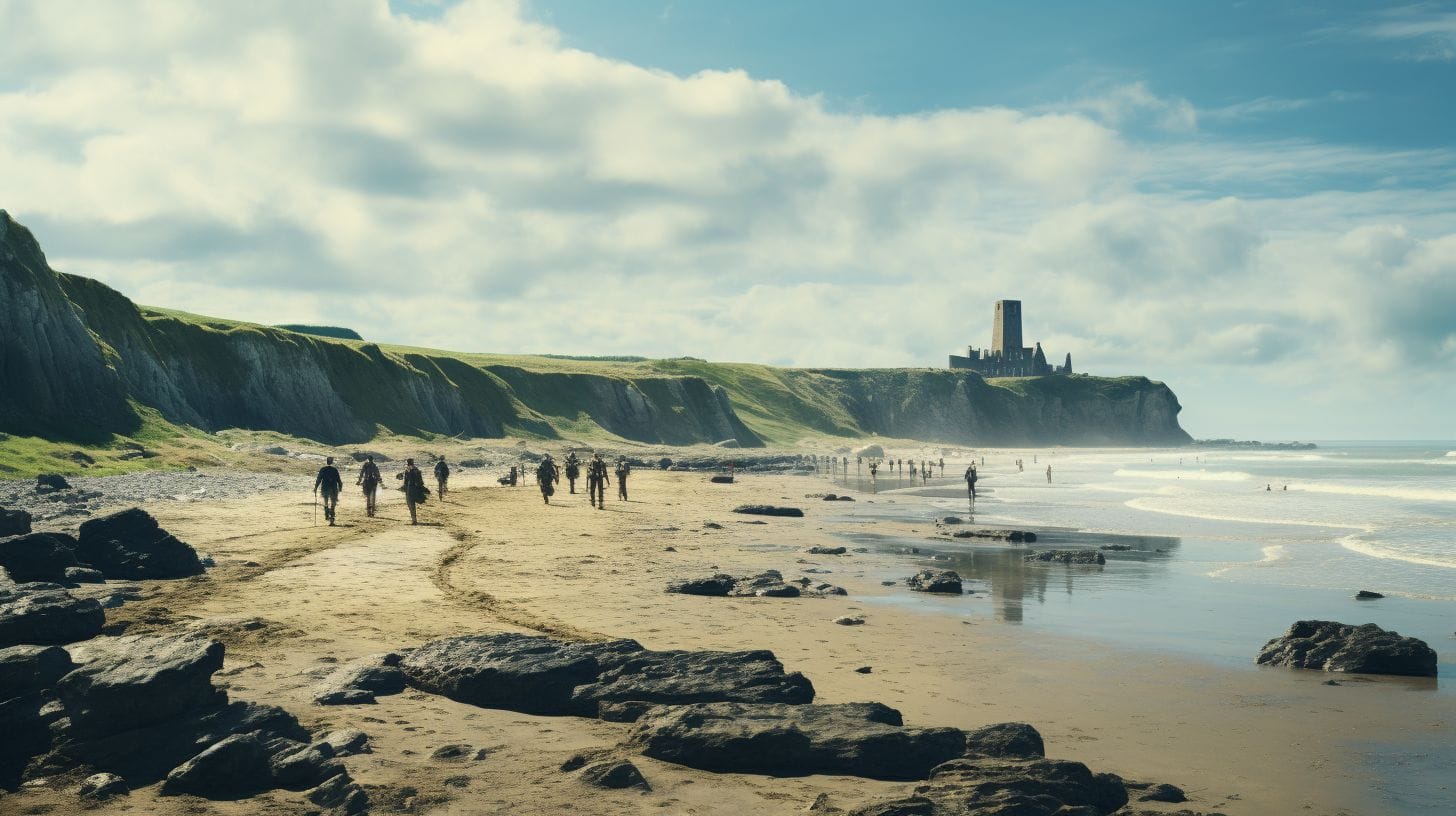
623 471
573 470
912 470
442 477
971 480
329 483
546 476
414 489
369 477
1049 474
596 481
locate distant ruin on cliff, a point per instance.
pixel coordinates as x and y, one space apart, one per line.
1007 357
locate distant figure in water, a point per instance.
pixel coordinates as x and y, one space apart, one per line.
596 481
1286 487
623 471
573 470
912 470
414 489
369 477
971 480
546 477
942 467
1268 488
329 483
874 468
1049 474
442 476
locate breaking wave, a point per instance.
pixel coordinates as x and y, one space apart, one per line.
1387 551
1145 505
1407 493
1191 475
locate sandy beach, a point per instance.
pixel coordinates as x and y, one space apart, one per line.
291 600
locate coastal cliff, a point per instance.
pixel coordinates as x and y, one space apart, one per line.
79 359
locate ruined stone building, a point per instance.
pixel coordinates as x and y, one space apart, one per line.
1007 357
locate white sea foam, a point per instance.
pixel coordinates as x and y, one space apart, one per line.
1190 475
1145 505
1451 454
1377 491
1386 551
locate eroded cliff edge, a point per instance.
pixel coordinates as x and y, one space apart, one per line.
76 356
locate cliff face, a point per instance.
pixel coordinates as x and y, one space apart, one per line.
54 376
75 351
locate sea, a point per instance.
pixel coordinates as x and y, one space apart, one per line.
1210 552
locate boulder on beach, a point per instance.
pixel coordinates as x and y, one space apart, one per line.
24 669
768 510
14 522
1340 647
132 546
38 556
128 682
46 614
818 550
1010 739
541 675
942 581
1015 536
233 768
1090 557
614 774
1367 595
853 739
47 482
360 681
979 786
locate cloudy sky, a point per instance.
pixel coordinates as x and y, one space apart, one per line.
1254 202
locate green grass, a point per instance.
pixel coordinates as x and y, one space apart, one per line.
174 446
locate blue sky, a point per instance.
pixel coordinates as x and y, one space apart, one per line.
1252 202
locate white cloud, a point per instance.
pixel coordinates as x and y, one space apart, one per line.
466 181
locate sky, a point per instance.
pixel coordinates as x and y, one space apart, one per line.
1254 202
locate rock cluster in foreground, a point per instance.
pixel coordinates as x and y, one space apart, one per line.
1340 647
128 545
767 584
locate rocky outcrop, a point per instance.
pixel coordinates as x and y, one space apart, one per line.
539 675
1066 557
14 522
360 681
768 510
1340 647
985 786
46 614
38 556
941 581
130 545
856 739
767 584
1014 536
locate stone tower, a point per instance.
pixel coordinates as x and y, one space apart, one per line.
1006 332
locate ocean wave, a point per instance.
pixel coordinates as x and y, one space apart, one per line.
1385 551
1377 491
1142 504
1191 475
1273 457
1451 454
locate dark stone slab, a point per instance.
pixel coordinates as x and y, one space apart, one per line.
24 669
614 775
38 556
1341 647
234 768
129 682
360 681
130 545
855 739
1006 740
1014 536
712 586
14 522
46 614
1067 557
984 786
768 510
942 581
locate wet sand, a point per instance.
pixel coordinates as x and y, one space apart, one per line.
496 559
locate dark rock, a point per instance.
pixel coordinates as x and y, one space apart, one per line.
360 681
347 742
25 721
24 669
1067 557
768 510
827 550
234 768
103 786
944 581
38 556
304 768
1163 793
777 591
909 806
539 675
51 481
130 545
855 739
828 497
1115 547
1340 647
129 682
361 455
14 522
614 775
46 614
451 753
845 498
952 520
84 575
713 586
721 479
1367 595
712 525
981 786
1017 536
850 620
864 669
1005 740
340 794
664 463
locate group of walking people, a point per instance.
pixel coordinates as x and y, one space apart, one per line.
328 484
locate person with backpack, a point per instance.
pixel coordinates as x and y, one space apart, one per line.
329 483
369 477
442 476
623 471
596 481
415 492
546 478
573 470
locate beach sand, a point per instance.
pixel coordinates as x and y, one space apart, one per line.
493 559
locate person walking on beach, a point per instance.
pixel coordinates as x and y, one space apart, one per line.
369 477
573 470
414 489
596 481
912 470
623 471
1049 474
925 472
546 478
329 483
874 468
942 467
442 477
971 480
